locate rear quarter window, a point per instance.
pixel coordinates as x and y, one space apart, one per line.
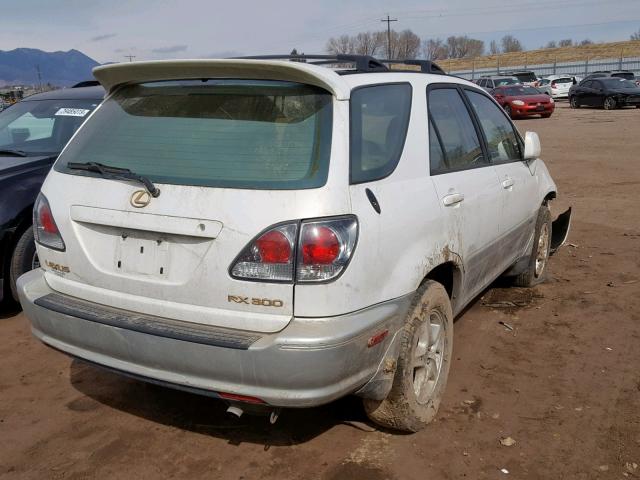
379 117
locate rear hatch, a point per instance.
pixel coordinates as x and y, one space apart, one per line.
230 158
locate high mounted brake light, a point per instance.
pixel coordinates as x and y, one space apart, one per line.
45 230
301 252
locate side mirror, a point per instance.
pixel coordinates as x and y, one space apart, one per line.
532 146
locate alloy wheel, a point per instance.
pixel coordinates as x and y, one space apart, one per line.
428 357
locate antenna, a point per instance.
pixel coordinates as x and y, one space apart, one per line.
130 57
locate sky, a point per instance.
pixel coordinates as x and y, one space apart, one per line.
160 29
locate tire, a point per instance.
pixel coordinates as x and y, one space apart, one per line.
536 268
546 115
423 363
573 102
610 103
23 259
507 108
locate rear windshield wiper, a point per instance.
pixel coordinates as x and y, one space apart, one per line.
116 172
17 153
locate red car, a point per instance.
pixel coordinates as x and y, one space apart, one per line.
521 101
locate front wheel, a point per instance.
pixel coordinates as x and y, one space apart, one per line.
573 102
23 259
540 251
546 115
507 108
610 103
423 363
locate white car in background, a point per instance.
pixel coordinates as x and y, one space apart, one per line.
557 86
280 234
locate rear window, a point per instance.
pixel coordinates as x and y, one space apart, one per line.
506 81
563 80
216 133
626 75
526 76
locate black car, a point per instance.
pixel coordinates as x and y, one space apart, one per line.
33 132
607 92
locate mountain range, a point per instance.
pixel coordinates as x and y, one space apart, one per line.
20 67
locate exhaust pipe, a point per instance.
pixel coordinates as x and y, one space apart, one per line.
237 411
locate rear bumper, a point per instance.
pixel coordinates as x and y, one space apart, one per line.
310 362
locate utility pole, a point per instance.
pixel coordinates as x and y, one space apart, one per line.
39 78
389 20
130 57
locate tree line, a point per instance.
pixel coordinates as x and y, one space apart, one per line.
406 44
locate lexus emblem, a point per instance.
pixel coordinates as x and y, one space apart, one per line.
140 199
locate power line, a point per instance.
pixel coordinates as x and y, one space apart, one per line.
389 20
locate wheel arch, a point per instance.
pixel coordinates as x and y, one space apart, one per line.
449 275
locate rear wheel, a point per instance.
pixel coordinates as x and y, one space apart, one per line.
573 101
539 257
23 259
423 363
610 103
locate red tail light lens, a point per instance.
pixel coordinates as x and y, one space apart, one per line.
324 248
320 246
45 229
274 247
269 257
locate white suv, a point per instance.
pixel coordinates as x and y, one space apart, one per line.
282 234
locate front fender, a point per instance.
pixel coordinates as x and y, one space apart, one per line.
560 230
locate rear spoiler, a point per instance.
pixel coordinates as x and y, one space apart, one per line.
113 75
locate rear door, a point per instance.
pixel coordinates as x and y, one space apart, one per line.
466 183
231 158
518 185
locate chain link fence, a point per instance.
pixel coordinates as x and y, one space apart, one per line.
579 68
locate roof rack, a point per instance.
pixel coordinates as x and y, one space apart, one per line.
426 66
362 63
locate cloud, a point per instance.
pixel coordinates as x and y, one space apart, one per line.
171 49
106 36
224 54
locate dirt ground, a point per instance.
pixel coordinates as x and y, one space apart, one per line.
564 384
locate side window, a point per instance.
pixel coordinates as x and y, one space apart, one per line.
455 130
586 84
502 141
490 84
379 121
482 82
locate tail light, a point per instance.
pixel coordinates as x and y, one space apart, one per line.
45 229
554 85
307 251
269 257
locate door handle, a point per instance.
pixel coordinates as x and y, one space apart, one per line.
452 199
507 183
